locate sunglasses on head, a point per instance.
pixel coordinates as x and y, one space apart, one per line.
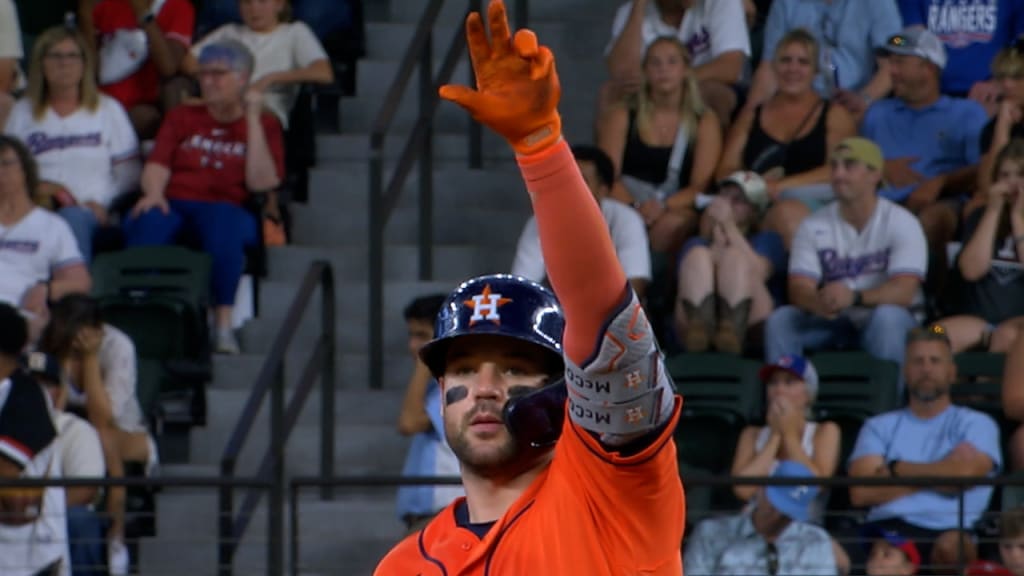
930 332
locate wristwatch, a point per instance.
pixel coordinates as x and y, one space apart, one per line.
892 467
147 18
858 298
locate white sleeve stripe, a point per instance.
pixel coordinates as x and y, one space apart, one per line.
907 272
805 274
187 41
66 263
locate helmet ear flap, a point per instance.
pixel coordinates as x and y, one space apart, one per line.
535 419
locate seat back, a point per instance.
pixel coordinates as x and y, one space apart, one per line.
154 270
855 383
720 384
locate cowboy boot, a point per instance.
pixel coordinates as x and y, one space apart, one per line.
699 320
732 326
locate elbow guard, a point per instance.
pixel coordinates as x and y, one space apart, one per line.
624 391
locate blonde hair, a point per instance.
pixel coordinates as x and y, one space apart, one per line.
691 105
1009 61
38 93
802 37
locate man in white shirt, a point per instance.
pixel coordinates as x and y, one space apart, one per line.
773 538
855 267
714 31
33 534
629 234
81 456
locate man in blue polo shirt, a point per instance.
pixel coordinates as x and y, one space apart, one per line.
925 137
929 141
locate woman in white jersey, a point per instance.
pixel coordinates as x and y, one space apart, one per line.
791 385
82 140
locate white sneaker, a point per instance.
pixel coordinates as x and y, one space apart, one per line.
153 458
226 342
117 558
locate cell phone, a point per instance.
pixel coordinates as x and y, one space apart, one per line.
536 418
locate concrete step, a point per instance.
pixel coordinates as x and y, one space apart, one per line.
579 94
351 369
369 529
450 148
359 448
391 40
344 187
479 226
581 13
401 261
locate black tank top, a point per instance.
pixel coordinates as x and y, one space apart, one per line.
650 163
762 152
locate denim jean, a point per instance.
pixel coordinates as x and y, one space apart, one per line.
87 542
790 330
83 225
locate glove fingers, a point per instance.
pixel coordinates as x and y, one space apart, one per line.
501 37
543 64
526 44
466 97
476 39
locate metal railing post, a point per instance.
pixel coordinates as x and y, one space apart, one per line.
476 156
426 161
376 261
522 15
275 501
226 521
293 503
327 311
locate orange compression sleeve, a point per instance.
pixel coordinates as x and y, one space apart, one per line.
578 250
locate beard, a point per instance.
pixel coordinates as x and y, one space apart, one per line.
499 454
927 389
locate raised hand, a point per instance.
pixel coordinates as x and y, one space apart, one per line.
517 87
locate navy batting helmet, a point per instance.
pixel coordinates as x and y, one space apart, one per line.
498 304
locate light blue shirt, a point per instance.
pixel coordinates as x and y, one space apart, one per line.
944 137
730 546
429 455
899 435
848 31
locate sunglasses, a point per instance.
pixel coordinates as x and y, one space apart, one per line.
930 332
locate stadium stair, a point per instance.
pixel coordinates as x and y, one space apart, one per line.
478 217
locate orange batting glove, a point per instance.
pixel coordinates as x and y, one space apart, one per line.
517 86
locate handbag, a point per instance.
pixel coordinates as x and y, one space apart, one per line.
642 191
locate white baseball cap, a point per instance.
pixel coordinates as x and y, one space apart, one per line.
753 185
917 41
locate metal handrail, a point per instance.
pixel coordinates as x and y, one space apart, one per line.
418 148
689 480
282 419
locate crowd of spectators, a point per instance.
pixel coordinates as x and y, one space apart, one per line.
125 123
823 175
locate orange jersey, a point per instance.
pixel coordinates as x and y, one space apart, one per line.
593 511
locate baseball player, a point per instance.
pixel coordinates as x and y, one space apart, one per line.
597 493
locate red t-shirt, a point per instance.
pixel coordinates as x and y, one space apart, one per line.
206 157
177 19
